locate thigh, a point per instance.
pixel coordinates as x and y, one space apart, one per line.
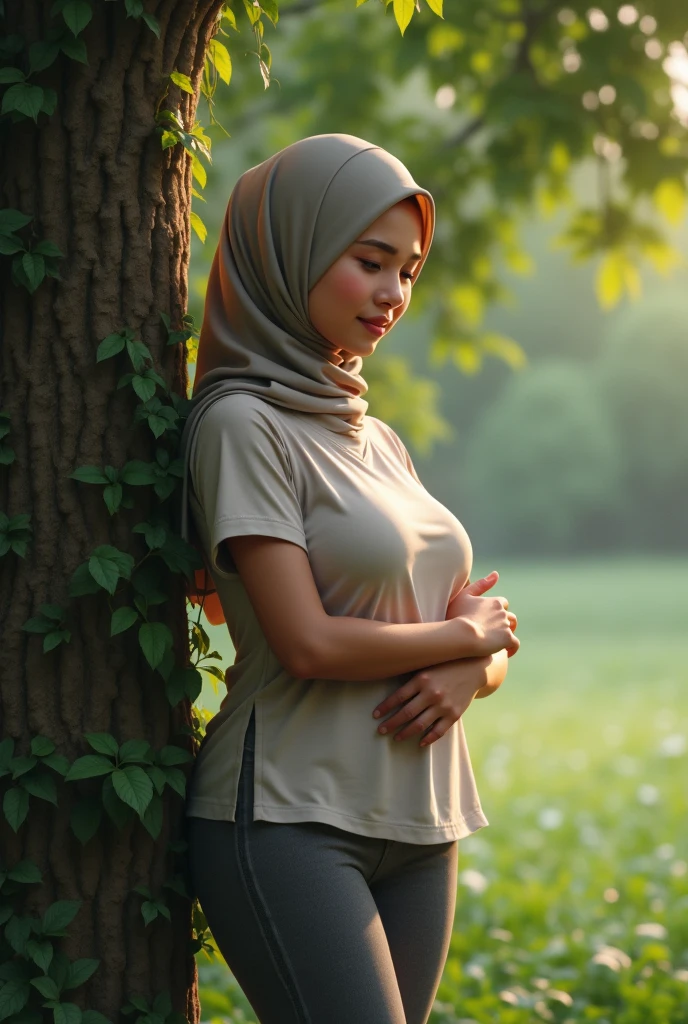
291 911
415 893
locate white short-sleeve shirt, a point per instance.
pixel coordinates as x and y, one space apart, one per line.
380 547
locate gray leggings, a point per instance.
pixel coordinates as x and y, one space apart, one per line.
323 926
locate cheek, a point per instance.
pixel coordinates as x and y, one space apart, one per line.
348 286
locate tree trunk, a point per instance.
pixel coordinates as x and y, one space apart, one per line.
97 183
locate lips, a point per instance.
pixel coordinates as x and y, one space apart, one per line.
374 328
377 321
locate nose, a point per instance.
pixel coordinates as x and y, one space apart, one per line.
391 295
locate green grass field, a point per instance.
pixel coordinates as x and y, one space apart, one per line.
573 903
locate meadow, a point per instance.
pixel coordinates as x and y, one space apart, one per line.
573 904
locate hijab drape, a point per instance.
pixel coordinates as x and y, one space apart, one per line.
287 220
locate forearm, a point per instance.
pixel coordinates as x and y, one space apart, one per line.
366 649
496 665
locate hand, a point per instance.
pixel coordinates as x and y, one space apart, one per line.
480 614
435 699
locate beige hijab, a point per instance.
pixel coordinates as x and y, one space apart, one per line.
288 219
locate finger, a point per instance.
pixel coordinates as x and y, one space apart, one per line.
512 648
409 689
438 730
483 584
405 714
419 724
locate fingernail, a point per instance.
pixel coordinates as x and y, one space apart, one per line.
382 730
376 714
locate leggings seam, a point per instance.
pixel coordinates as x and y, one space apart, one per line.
265 922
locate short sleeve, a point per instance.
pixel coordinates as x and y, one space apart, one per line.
243 479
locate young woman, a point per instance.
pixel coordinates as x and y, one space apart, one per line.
323 841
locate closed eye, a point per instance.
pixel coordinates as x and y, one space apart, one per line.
369 264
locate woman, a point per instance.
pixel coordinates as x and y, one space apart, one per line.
323 851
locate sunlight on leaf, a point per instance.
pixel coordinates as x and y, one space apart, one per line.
670 200
403 11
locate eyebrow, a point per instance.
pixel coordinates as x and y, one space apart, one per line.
377 244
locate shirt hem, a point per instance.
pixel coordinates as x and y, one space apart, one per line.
419 834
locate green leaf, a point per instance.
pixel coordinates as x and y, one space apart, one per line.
670 200
89 767
202 232
122 619
176 780
41 953
79 972
152 819
9 75
13 220
89 475
219 55
149 911
135 750
162 1003
403 11
157 777
133 787
25 98
104 572
54 638
21 765
77 14
183 682
17 932
14 995
110 346
48 249
155 638
25 871
39 624
102 743
75 49
93 1017
33 265
67 1013
40 784
15 806
58 916
85 818
171 755
118 812
137 473
152 22
57 762
42 54
112 496
183 81
9 245
82 582
47 987
41 746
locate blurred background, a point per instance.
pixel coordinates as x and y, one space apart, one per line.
540 382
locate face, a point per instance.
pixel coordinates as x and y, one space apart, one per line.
371 281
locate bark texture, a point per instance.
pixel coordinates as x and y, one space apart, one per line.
95 179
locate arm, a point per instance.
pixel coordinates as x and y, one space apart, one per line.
495 666
312 644
496 669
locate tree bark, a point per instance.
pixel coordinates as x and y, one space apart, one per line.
95 179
